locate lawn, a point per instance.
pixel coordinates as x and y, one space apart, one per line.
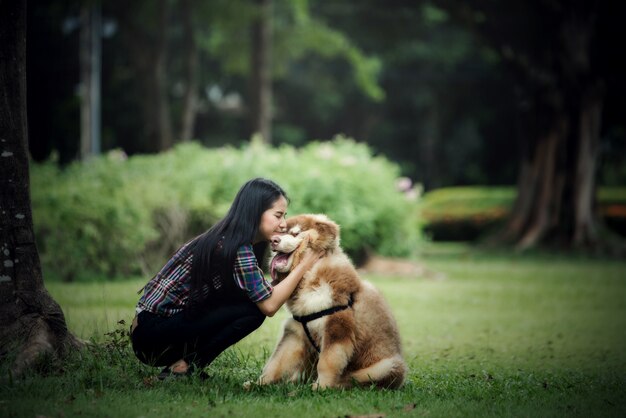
500 335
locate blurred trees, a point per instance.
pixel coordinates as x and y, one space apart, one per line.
190 71
404 78
560 67
143 31
445 94
261 71
455 92
177 69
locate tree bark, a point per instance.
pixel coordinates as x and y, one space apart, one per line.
261 72
31 322
586 224
190 98
557 182
543 183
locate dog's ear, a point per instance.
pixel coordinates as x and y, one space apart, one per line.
293 221
327 235
327 229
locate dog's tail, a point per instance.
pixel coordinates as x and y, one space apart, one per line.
389 373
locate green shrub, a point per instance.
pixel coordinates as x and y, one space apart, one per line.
466 213
117 216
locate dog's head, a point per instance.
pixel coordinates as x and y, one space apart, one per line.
303 231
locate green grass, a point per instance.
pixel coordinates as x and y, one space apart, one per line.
501 335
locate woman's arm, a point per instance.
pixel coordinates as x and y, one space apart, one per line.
285 288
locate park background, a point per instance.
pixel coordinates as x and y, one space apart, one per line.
473 155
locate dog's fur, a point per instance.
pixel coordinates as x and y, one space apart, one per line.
358 345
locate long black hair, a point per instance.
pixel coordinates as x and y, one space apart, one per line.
240 226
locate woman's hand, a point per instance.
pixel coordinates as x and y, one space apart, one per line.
310 258
285 288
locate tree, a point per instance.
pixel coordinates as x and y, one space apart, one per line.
261 71
144 28
190 97
284 35
179 69
90 69
445 109
31 322
557 57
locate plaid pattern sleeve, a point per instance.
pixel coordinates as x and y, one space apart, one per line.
167 293
249 276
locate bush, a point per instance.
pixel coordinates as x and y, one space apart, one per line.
118 216
466 213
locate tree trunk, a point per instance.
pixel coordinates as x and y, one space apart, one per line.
261 72
160 77
557 184
90 68
144 29
190 98
31 322
585 227
85 77
539 213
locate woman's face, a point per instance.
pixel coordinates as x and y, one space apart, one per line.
273 220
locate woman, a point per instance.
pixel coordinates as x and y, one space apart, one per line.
212 293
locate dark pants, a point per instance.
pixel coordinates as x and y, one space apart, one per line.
161 341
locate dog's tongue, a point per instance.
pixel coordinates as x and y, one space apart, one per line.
279 259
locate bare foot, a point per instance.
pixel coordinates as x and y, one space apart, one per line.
180 367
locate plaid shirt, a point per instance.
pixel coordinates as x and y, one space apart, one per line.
167 293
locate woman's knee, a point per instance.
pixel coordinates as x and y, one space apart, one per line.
258 319
251 321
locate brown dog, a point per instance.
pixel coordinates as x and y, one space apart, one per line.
342 330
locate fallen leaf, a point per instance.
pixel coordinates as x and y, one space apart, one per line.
149 381
409 407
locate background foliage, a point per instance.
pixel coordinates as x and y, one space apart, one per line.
467 213
404 77
117 216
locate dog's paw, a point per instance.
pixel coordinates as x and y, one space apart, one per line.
317 386
248 385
